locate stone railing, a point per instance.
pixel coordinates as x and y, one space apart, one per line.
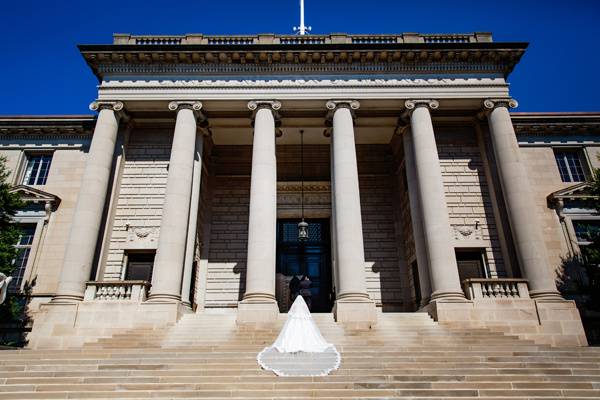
135 291
501 288
336 38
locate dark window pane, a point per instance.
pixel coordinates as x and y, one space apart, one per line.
139 266
20 263
585 231
37 169
570 166
470 264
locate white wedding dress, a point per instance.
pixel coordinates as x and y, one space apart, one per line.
4 282
300 349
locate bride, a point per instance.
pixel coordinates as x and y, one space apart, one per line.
300 349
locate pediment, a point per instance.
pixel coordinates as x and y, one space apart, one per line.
33 195
580 191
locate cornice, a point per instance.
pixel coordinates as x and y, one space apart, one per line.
554 126
426 58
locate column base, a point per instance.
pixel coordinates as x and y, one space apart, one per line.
256 314
66 299
355 313
164 298
545 295
458 296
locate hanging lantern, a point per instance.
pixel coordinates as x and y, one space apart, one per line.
302 226
302 231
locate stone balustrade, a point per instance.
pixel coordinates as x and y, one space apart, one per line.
476 37
501 288
135 291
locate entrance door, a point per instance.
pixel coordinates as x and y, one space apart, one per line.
311 258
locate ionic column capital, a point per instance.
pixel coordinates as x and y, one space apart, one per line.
254 105
333 105
491 104
116 106
195 106
412 104
273 105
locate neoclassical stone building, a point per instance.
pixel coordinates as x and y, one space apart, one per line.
422 192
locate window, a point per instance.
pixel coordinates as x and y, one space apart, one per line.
570 165
20 263
471 263
586 230
36 171
139 266
417 285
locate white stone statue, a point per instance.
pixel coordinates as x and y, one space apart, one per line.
4 282
300 349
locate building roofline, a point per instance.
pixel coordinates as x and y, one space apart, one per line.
62 117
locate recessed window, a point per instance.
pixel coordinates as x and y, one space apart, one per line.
36 171
471 263
139 266
569 165
20 263
586 230
417 285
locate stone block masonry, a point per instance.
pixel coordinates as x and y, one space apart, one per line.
140 199
228 242
467 195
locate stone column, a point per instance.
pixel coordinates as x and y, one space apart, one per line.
443 269
170 254
87 219
520 207
416 218
353 305
190 247
259 305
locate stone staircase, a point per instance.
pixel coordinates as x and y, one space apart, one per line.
208 356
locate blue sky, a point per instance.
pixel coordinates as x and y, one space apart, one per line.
41 71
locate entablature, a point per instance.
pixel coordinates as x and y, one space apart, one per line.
283 56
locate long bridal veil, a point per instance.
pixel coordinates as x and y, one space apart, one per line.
300 349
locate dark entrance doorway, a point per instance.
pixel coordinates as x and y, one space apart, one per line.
311 258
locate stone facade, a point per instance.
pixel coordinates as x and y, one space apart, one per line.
433 198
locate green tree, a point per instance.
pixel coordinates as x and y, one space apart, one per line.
9 232
591 253
12 309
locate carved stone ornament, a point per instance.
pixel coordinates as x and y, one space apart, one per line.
410 105
490 104
244 84
468 232
191 105
254 105
141 233
333 104
195 106
111 105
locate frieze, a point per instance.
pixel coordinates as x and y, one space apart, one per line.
306 69
301 83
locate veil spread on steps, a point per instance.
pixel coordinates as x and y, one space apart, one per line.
300 349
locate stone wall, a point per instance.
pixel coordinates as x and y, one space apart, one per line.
383 265
467 195
226 273
64 179
140 198
544 178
